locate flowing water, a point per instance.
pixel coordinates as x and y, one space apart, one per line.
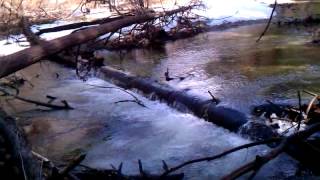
124 132
232 65
236 69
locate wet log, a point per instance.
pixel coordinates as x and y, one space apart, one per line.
29 56
183 100
16 159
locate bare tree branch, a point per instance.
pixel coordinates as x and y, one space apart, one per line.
211 158
269 22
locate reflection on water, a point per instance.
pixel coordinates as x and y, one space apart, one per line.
232 65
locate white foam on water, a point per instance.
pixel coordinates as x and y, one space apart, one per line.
158 133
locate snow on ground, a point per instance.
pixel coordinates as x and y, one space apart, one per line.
9 45
219 11
231 11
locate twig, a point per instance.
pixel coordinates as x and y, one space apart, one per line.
65 172
287 130
136 99
77 60
261 160
75 162
119 170
142 173
310 93
39 156
38 103
315 97
269 22
214 99
219 155
300 111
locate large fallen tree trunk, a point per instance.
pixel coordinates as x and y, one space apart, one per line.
19 60
200 106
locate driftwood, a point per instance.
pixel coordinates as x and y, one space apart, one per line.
26 57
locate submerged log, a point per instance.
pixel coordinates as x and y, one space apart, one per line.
183 100
29 56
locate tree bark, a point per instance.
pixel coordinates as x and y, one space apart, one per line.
184 101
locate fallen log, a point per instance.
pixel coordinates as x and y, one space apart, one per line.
26 57
183 100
